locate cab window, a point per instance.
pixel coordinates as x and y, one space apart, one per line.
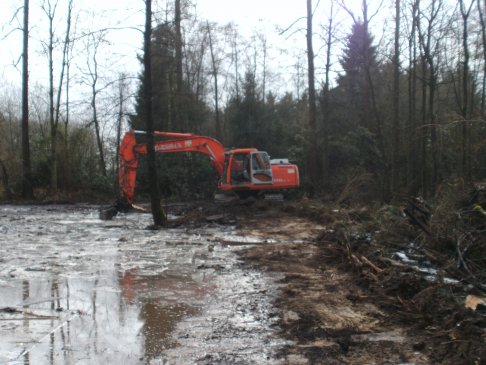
261 171
240 168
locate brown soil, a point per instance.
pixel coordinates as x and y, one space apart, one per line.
345 296
346 300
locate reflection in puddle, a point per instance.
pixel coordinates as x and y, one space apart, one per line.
159 323
78 290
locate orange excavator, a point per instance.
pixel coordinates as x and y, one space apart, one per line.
246 171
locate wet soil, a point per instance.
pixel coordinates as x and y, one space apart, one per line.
234 283
347 299
78 290
332 319
350 294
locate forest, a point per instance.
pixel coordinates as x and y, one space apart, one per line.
392 104
377 257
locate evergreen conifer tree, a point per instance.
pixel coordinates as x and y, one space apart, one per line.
359 63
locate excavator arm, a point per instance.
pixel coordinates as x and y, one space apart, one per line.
130 150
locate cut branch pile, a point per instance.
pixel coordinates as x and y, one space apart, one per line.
448 236
456 227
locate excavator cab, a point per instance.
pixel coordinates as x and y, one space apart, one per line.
247 168
261 171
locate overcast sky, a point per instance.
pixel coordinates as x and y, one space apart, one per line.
127 16
248 14
253 13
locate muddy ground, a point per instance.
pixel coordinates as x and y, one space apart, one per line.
352 295
356 287
250 282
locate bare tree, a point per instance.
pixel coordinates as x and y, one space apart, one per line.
64 69
483 37
313 155
27 191
325 96
122 79
466 155
396 100
94 43
429 43
67 56
194 61
215 67
412 151
235 60
179 111
49 9
263 40
299 77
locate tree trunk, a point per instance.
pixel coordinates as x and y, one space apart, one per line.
92 63
158 214
483 36
325 101
215 78
264 76
237 71
50 12
396 101
325 98
121 97
67 166
433 128
423 130
99 140
412 151
6 186
27 190
179 112
313 155
372 114
428 62
65 52
466 156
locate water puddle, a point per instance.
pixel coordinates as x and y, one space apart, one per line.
78 290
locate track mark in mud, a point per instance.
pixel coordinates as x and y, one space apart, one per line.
330 318
233 326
